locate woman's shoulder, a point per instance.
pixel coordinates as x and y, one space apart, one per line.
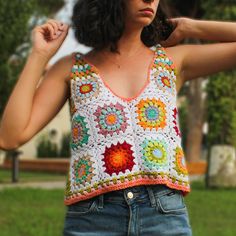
63 66
69 59
174 53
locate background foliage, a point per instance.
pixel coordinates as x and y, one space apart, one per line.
221 100
17 19
47 148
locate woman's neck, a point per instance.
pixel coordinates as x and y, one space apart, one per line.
130 42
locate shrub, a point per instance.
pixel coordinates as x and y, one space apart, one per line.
46 148
65 145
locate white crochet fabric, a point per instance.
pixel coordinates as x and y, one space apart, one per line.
118 142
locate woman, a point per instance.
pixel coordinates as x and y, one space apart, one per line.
127 173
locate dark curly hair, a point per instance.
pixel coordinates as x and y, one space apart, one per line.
100 23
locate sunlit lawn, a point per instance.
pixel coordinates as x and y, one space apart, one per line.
212 212
31 212
36 212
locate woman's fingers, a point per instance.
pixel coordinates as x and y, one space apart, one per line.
53 29
48 31
54 26
57 25
48 37
177 34
173 39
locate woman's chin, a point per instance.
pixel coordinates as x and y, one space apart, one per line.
143 23
140 23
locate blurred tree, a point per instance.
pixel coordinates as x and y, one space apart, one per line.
221 107
17 19
13 31
65 145
46 148
221 96
49 7
221 99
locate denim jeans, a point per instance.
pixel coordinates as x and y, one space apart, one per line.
146 210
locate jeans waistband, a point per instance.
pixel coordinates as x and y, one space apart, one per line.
137 193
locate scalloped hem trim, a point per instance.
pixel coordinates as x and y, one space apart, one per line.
185 189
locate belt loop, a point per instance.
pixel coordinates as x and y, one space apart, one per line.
151 196
100 201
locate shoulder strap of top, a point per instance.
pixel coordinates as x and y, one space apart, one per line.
161 52
155 47
80 68
77 56
158 45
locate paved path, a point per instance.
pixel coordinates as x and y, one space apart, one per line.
61 184
44 185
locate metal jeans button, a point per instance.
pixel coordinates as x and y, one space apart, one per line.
130 195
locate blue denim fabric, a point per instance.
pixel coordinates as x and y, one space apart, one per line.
149 210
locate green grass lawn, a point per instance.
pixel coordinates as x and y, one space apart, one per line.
31 212
27 176
212 211
37 212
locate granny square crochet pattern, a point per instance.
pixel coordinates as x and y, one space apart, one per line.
122 142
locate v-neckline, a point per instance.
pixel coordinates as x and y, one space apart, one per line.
104 83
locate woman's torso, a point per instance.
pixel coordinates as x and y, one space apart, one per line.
127 137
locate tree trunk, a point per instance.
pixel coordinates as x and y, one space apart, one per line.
195 100
195 120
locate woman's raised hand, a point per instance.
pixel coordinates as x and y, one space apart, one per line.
48 38
179 33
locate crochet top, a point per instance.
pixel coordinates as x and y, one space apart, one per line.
121 142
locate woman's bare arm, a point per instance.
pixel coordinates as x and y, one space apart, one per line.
17 111
207 59
29 107
202 60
